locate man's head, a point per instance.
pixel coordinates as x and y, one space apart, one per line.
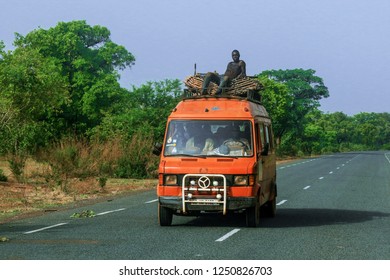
236 55
235 131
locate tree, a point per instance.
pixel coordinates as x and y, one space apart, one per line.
89 61
304 90
32 89
32 84
276 99
156 100
372 130
144 109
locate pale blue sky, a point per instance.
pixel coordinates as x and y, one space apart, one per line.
347 42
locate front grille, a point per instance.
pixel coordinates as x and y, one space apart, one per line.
229 179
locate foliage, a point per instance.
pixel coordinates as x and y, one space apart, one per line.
3 178
304 90
4 239
144 110
155 101
17 164
137 160
292 100
32 90
337 132
31 84
89 61
277 100
75 157
84 214
102 182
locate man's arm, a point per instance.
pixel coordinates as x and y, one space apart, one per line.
243 69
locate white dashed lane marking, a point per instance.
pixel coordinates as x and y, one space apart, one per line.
227 235
295 164
44 228
111 211
280 203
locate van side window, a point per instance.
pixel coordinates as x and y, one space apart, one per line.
267 134
269 137
260 136
265 139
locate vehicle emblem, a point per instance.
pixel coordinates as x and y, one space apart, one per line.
204 182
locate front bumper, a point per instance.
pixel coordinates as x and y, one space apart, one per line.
232 204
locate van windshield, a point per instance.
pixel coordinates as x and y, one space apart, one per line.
209 137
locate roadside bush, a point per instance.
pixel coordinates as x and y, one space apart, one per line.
137 160
73 157
17 164
3 178
386 146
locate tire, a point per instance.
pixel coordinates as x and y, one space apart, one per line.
253 215
270 208
165 215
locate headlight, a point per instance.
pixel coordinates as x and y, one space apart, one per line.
170 179
240 180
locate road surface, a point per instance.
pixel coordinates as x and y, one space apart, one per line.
329 208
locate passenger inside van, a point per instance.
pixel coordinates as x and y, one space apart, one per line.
200 140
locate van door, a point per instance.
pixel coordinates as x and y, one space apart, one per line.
265 160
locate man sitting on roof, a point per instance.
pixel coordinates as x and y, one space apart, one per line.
235 69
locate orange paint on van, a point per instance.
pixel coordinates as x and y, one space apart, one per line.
218 156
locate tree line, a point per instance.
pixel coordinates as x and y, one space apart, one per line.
61 103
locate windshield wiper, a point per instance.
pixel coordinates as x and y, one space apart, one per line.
188 155
222 156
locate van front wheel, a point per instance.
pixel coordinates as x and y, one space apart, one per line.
253 215
165 215
270 208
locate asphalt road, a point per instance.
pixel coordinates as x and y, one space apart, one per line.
332 207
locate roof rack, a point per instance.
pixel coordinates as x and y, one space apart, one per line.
247 88
253 96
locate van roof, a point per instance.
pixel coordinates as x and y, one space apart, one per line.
221 107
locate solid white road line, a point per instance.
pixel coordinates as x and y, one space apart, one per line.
151 201
387 155
41 229
108 212
226 236
280 203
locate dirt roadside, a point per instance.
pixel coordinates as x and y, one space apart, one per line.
24 200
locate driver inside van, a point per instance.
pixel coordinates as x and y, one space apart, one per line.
237 145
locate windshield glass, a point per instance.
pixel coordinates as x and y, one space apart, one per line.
210 137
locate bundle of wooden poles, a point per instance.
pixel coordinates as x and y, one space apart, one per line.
239 86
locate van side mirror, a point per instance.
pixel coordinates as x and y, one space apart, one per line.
265 150
157 149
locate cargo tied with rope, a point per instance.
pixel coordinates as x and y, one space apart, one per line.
239 87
